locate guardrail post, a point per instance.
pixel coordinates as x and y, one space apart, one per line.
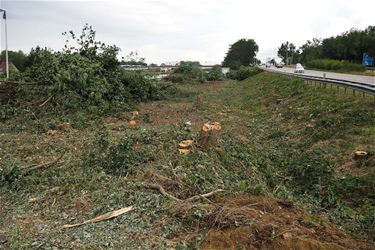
353 92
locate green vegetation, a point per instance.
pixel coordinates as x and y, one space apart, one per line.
18 58
288 52
280 138
348 47
84 76
307 147
133 59
215 74
335 65
187 72
241 53
243 73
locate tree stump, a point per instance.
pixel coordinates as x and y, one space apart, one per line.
209 136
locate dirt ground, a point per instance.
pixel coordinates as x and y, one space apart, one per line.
274 224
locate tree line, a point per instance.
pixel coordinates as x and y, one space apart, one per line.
348 46
22 60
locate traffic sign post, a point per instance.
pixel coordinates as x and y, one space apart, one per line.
368 61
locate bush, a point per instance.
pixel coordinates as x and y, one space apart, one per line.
328 64
186 73
243 73
215 74
177 78
124 156
87 75
9 171
121 158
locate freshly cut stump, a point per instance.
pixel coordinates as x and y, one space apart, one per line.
360 155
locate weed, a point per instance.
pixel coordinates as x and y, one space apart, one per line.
9 171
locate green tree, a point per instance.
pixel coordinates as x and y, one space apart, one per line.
311 50
242 52
133 59
350 45
288 52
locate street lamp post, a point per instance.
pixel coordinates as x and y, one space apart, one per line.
6 42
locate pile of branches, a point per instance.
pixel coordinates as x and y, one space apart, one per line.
85 73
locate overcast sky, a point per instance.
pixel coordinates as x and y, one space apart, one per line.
174 30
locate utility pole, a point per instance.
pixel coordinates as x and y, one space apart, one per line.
286 53
6 42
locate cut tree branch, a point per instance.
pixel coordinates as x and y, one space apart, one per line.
45 165
191 199
45 102
162 191
203 196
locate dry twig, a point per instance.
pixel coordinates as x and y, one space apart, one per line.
45 102
162 191
45 165
191 199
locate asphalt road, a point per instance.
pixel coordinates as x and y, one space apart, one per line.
337 76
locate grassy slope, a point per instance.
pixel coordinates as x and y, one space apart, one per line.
280 138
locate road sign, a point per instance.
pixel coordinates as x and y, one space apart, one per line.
367 60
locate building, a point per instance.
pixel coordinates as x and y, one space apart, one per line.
12 67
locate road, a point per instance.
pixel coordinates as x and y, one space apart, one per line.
337 76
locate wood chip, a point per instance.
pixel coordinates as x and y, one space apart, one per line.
33 199
51 132
186 143
184 151
211 126
132 123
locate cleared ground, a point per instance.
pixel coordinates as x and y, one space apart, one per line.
283 155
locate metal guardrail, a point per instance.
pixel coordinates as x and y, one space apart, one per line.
363 87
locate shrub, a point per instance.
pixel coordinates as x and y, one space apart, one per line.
187 73
243 73
86 75
9 171
215 74
123 157
328 64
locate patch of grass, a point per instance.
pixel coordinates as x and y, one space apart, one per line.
302 132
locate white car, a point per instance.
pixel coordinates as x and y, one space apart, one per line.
268 65
299 69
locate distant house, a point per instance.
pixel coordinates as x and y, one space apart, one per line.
207 68
225 70
196 65
12 67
